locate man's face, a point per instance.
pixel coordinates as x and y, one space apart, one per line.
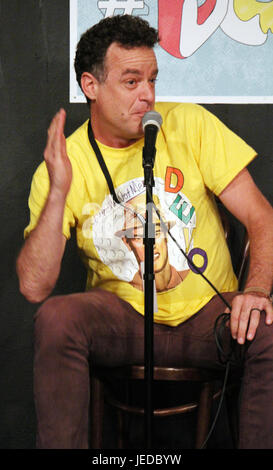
126 94
160 247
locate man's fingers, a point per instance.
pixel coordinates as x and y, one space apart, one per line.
234 317
254 315
56 140
55 154
269 315
60 122
246 314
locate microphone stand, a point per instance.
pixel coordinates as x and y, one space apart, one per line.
149 240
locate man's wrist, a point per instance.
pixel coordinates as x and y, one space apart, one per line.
57 196
261 291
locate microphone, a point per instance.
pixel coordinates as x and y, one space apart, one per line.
151 123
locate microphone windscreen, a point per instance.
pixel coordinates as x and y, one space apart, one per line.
152 117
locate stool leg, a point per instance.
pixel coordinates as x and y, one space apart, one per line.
120 429
204 414
96 410
122 418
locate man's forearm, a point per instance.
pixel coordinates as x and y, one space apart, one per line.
243 199
261 255
38 264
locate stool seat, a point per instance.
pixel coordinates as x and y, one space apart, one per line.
100 393
137 372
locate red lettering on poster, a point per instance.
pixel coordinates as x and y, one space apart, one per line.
169 25
170 19
205 10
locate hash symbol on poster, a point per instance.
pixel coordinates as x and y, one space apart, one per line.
128 6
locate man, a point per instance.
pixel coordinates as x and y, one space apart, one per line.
117 69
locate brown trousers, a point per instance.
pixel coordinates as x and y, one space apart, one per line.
74 331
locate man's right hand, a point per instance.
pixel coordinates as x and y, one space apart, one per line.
58 164
39 262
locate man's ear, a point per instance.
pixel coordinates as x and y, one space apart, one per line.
89 85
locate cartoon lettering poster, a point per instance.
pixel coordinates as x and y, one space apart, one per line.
211 51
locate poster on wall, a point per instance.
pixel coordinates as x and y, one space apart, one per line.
210 51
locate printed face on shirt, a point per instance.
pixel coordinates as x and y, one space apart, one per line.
127 93
124 252
135 243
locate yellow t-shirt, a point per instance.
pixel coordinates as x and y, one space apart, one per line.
196 156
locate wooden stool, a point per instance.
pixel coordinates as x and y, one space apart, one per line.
203 406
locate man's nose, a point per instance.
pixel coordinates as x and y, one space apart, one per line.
147 92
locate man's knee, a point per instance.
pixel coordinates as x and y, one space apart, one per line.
53 321
50 309
68 316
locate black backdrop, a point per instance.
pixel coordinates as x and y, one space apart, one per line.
34 84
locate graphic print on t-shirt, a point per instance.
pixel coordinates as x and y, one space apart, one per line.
118 232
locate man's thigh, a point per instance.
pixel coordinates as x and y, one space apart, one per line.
98 323
113 332
193 343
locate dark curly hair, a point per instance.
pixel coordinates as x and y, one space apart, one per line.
126 30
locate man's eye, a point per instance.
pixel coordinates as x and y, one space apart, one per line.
131 82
